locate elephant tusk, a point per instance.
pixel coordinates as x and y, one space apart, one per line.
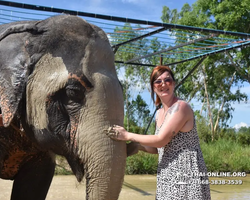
110 132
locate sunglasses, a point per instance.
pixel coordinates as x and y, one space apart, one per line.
165 80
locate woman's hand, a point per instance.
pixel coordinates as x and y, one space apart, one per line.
147 143
117 132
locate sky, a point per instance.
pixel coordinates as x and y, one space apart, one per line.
137 9
150 10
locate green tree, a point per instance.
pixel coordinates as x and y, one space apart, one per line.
243 136
229 15
211 83
169 16
135 78
139 115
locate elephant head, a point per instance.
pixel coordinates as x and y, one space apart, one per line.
58 77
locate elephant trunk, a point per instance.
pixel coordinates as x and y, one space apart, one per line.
103 159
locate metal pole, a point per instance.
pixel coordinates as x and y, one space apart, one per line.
157 108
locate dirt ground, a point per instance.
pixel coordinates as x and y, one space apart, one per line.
67 188
135 187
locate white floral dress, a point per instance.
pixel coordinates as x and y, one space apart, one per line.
182 173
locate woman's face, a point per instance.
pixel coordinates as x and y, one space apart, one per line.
164 85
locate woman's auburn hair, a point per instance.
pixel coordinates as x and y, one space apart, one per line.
157 71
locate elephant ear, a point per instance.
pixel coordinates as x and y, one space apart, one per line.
14 64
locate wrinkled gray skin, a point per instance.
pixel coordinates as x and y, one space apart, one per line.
58 82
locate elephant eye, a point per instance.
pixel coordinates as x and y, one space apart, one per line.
75 93
71 93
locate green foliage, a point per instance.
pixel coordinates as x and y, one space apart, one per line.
243 136
230 15
138 75
62 171
135 79
228 134
169 16
222 155
230 149
142 163
226 155
218 69
203 128
62 166
137 114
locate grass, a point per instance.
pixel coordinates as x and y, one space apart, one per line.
226 155
142 163
62 166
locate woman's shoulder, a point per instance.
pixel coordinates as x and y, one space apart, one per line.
187 112
183 102
183 105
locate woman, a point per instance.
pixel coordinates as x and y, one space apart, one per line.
181 173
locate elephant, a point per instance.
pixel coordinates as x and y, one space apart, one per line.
59 91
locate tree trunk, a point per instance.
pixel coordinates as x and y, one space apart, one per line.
208 104
222 105
202 106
